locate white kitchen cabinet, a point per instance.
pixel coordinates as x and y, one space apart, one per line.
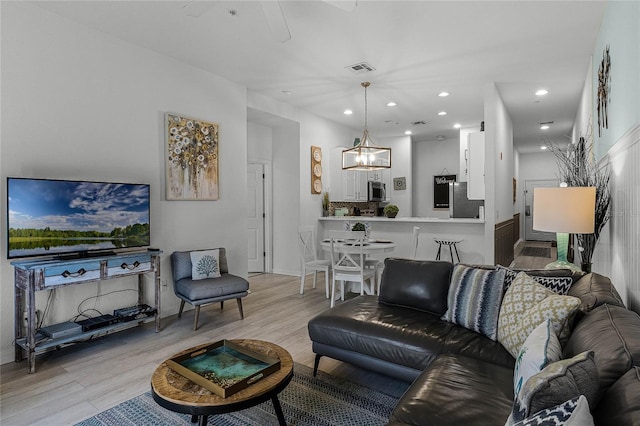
354 185
475 166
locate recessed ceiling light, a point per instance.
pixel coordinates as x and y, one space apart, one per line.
348 112
443 94
542 92
544 127
543 147
442 113
288 92
408 132
390 104
457 126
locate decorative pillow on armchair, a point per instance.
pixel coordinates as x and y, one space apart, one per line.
474 299
556 383
541 348
526 304
205 264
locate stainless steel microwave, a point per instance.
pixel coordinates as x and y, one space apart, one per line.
376 191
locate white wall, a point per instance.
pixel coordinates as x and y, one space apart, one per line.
499 172
293 203
286 199
620 31
432 158
259 142
401 166
617 252
583 124
81 105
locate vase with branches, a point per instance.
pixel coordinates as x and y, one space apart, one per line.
577 167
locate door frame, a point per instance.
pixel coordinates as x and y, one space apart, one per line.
548 236
268 213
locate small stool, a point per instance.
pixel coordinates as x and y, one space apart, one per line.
447 243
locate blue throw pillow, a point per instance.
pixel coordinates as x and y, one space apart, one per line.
474 299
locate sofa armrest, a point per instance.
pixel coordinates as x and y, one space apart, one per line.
594 290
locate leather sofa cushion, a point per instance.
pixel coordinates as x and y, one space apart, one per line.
613 334
621 403
594 290
417 284
400 335
457 390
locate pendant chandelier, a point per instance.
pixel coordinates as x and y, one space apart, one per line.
366 155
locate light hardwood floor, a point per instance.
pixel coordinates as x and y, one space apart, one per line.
79 381
531 262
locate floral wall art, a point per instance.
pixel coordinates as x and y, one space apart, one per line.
192 159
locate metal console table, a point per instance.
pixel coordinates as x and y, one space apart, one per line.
37 275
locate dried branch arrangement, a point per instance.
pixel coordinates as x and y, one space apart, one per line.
577 167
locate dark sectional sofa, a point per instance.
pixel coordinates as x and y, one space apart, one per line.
458 376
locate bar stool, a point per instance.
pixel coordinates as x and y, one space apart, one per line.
447 243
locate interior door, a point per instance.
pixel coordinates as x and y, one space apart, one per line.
529 233
255 216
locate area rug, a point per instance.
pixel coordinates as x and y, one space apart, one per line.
536 252
322 400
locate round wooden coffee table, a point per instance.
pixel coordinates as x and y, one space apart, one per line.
177 393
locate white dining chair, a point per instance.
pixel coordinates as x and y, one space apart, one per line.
309 258
347 263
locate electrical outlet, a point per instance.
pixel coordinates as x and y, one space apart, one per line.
37 318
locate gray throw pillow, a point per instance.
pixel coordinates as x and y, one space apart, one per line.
556 383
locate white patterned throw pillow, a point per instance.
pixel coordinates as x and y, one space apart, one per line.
205 264
525 305
541 348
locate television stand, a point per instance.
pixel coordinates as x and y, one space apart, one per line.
31 276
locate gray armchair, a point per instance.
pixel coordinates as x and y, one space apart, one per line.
208 290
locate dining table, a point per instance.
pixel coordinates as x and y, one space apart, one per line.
369 247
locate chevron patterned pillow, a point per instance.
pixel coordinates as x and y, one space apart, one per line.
557 284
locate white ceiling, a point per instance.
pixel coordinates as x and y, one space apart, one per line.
418 49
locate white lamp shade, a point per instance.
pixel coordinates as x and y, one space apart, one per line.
569 210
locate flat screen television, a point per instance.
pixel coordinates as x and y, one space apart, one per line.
49 217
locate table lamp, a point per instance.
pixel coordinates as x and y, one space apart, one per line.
564 210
